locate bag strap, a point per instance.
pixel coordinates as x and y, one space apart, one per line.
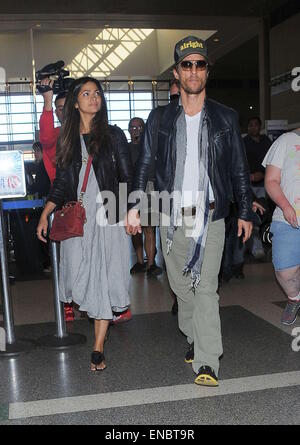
86 177
87 172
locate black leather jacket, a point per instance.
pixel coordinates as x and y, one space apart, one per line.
110 170
228 167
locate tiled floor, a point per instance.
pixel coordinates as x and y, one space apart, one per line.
147 381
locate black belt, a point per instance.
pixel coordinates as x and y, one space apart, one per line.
191 211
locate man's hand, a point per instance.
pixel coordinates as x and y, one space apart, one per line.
290 216
48 96
133 222
246 227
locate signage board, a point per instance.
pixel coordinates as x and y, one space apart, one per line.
276 128
12 174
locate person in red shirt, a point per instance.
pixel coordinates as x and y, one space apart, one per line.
48 133
48 138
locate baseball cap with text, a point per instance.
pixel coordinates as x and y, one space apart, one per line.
189 45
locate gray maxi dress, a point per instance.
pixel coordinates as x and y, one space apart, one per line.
94 269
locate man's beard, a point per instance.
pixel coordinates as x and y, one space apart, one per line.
197 90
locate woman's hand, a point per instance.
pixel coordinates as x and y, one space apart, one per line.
42 229
290 216
256 206
133 222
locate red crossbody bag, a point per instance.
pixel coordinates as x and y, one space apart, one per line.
68 222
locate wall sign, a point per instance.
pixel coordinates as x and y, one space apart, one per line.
12 174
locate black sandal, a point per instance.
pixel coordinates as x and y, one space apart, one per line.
97 358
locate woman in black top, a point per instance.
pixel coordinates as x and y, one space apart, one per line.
93 269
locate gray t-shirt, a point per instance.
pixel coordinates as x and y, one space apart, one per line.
190 185
285 154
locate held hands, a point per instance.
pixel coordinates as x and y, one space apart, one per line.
256 206
246 227
133 222
290 216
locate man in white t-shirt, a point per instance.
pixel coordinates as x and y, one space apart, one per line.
200 164
282 183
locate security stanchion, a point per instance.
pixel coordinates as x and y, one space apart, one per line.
10 346
61 339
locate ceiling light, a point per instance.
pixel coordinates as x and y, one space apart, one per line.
109 49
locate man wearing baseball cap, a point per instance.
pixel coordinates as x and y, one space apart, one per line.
199 154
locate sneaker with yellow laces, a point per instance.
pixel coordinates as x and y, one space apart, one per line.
206 377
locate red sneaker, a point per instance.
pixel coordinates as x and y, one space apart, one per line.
121 318
69 313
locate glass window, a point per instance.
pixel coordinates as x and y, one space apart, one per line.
19 137
118 105
120 115
23 118
3 119
18 117
22 128
117 96
122 124
3 129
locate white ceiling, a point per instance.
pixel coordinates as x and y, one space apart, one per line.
152 58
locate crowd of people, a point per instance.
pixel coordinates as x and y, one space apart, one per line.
190 150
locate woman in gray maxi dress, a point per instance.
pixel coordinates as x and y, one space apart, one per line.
93 269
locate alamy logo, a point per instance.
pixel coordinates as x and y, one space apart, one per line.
296 341
296 81
2 339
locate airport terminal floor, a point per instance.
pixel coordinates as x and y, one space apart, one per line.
147 381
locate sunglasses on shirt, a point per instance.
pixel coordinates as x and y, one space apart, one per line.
187 65
135 127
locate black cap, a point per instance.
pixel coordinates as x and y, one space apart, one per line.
189 45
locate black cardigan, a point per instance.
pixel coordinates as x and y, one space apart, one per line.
111 168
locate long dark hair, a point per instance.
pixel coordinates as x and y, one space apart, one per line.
69 138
